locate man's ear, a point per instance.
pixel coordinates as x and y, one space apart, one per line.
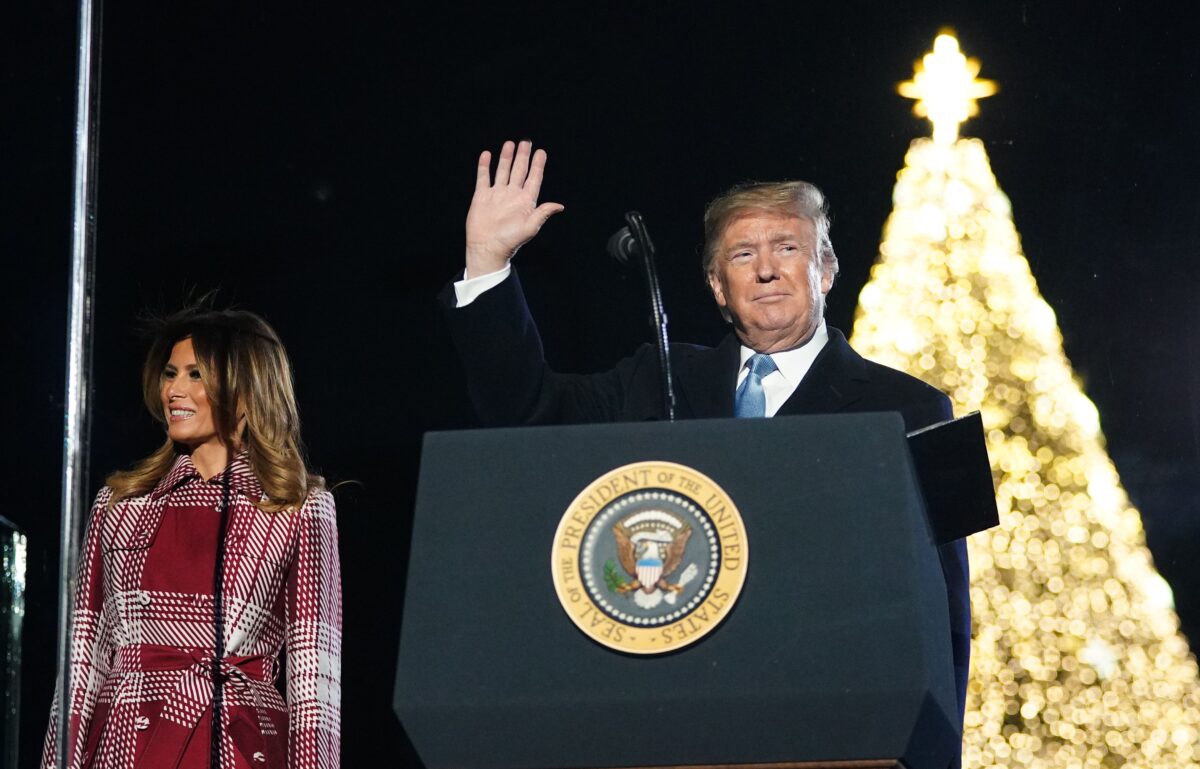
826 281
718 291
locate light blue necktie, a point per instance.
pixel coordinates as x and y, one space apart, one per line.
750 401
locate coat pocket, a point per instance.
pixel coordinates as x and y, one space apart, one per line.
97 725
132 525
256 567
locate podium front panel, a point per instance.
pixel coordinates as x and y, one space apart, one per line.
837 649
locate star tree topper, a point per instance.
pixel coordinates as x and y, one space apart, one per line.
945 88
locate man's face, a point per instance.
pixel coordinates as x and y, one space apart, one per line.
765 275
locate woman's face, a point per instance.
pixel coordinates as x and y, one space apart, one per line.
185 402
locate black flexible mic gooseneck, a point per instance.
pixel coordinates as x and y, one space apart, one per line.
631 240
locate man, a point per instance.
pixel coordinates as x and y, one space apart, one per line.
769 262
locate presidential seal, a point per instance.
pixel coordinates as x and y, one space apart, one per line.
649 558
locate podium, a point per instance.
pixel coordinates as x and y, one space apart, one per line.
836 653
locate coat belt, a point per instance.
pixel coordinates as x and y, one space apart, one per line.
145 658
192 698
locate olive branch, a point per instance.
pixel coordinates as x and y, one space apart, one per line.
613 579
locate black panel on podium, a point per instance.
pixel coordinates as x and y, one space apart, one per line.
837 650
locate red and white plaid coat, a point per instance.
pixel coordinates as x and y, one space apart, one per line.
142 650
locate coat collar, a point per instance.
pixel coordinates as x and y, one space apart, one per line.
241 477
834 381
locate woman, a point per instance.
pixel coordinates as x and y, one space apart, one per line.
200 564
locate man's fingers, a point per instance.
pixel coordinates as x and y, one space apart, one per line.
505 164
536 169
545 211
521 163
483 176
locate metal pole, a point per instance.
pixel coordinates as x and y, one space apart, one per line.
77 431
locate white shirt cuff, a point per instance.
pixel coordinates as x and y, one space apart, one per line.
470 289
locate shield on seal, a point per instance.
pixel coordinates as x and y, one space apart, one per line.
649 567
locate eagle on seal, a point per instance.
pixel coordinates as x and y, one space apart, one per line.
650 554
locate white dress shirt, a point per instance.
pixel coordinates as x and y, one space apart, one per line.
468 290
791 365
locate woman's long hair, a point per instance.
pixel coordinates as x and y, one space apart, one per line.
246 373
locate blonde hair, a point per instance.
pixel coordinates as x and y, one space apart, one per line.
792 198
246 374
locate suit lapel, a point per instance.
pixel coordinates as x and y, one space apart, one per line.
708 377
835 381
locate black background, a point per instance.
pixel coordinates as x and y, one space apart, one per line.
314 161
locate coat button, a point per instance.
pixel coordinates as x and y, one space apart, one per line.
259 757
144 597
141 723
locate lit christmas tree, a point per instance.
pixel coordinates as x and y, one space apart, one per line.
1076 660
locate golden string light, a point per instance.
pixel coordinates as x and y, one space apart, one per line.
1076 658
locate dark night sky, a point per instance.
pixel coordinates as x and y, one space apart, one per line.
315 161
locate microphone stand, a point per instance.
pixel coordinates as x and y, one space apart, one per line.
637 228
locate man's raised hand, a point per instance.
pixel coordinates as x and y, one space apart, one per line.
504 213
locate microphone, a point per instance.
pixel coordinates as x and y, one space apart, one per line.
622 246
